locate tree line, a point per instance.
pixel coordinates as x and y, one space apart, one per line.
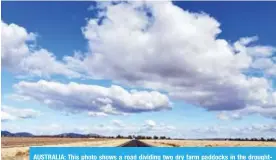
168 138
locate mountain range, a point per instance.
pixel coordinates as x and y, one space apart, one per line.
68 135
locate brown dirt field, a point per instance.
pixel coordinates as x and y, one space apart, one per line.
18 148
24 141
207 143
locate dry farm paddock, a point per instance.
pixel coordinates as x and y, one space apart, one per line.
29 141
14 148
208 143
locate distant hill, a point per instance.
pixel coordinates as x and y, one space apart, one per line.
72 135
23 134
65 135
78 135
19 134
6 134
93 135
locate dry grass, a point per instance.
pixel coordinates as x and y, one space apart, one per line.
207 143
18 148
37 141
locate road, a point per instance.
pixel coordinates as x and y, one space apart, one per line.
135 143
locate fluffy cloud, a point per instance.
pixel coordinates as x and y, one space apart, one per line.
262 63
250 131
161 46
150 123
76 97
262 127
21 56
12 113
255 50
271 71
113 128
158 46
6 116
266 112
14 44
151 126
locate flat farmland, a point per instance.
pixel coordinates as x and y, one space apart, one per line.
207 143
18 148
14 148
7 142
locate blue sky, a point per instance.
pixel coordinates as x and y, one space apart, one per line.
201 69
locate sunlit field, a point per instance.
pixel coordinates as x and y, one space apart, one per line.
206 143
18 148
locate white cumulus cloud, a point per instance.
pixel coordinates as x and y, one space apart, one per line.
12 113
161 46
21 56
155 45
92 98
152 126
